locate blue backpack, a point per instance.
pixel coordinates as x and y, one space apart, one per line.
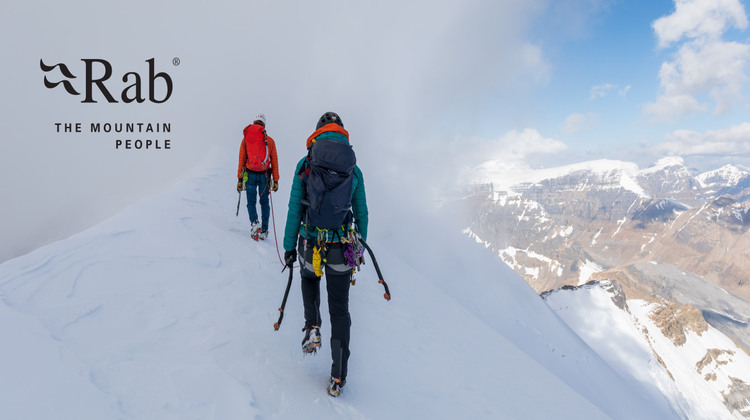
328 176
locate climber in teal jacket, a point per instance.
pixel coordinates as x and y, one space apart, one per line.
294 220
320 195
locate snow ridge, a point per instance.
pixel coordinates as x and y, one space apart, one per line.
166 311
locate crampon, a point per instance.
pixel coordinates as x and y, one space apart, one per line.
311 341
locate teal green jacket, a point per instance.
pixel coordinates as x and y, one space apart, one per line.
295 215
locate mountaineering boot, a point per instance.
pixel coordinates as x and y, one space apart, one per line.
263 235
255 230
335 385
311 342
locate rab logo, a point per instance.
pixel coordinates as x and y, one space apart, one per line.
132 92
64 70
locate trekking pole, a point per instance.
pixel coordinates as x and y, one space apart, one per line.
283 301
238 203
387 294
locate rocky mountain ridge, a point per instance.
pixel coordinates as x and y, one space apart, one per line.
660 343
609 219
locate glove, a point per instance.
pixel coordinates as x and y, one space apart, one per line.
239 185
290 257
275 186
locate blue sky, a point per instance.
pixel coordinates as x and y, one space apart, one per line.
604 94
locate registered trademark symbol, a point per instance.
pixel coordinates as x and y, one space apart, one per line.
176 61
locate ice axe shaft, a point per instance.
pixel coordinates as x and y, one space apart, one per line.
239 193
283 301
387 294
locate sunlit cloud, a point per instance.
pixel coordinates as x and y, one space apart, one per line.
576 122
734 140
506 159
529 141
704 65
600 91
698 19
512 148
603 90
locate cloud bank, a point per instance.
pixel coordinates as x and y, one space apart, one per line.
507 156
734 140
404 76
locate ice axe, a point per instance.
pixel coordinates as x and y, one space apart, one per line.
387 294
239 198
283 301
239 193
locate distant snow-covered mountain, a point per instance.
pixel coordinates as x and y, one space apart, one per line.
726 176
670 178
602 173
615 213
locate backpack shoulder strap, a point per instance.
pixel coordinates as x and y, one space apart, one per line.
265 141
304 169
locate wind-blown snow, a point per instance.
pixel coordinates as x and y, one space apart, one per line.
165 311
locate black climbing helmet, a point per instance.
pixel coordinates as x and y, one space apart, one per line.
328 118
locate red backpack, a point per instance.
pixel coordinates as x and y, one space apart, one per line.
256 145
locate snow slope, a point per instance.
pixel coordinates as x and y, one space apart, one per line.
695 376
166 311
